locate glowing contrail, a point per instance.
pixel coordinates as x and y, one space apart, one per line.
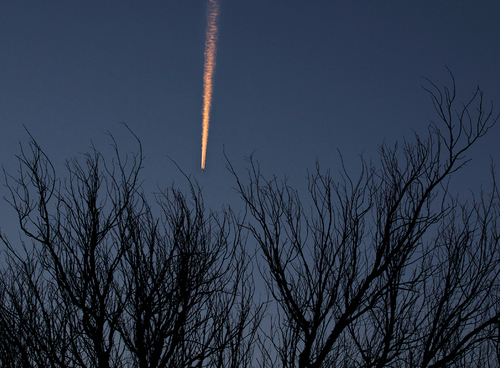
210 53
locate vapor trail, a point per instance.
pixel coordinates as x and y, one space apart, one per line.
210 54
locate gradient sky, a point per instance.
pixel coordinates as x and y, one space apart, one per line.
295 81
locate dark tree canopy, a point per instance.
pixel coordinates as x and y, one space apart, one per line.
387 269
384 269
107 283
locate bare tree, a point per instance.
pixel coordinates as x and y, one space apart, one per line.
104 282
387 268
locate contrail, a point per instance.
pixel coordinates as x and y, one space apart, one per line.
210 53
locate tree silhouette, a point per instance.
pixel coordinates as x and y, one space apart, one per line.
384 269
387 269
107 283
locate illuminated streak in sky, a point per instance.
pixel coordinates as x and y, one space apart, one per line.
210 54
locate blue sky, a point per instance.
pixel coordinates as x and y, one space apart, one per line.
295 81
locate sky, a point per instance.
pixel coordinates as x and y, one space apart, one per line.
296 81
